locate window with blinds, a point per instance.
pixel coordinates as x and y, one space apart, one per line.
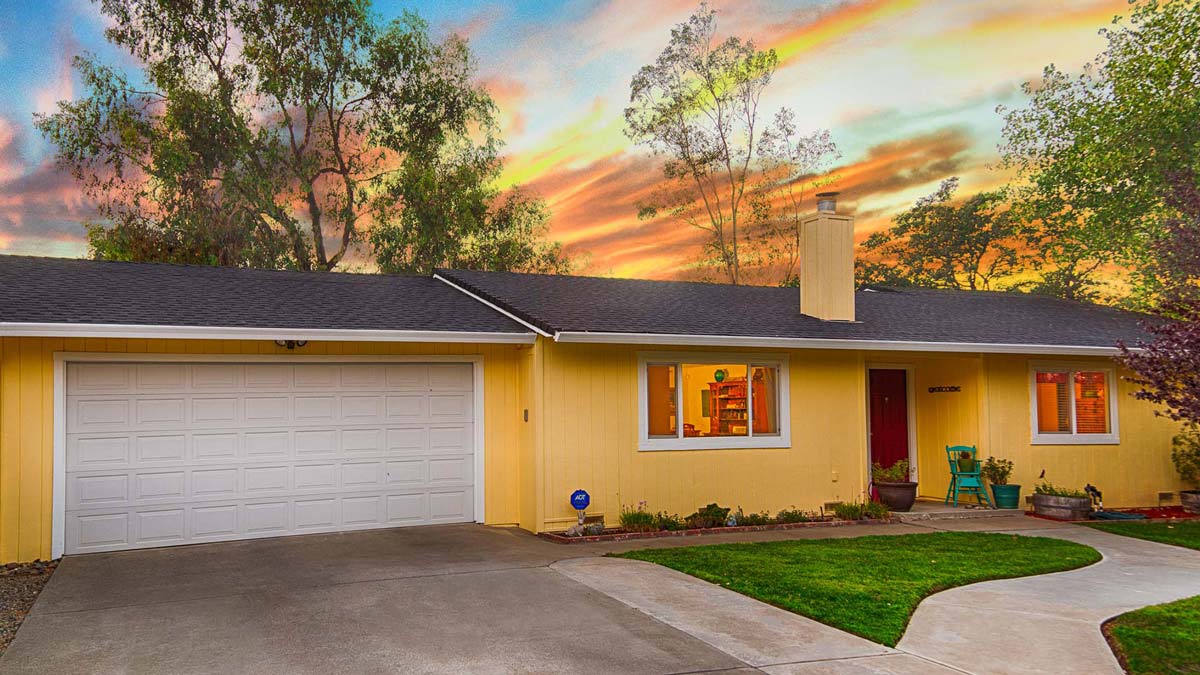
1072 403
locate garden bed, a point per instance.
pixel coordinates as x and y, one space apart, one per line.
19 587
1163 513
617 534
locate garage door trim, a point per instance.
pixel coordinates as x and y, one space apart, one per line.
61 359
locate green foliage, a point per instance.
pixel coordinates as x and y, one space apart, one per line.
283 128
1158 639
708 516
876 510
940 244
668 521
1185 453
997 471
1104 157
760 518
794 515
868 586
1185 533
1047 488
637 519
445 211
896 473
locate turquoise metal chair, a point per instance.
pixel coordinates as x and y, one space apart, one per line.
964 481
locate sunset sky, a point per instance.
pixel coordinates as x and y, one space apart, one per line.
908 89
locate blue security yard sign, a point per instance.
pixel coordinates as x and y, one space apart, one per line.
580 500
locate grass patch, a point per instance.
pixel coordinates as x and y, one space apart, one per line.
868 586
1185 533
1158 639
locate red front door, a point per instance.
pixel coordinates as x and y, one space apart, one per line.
889 416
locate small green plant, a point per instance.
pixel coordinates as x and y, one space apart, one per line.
793 515
1186 456
668 521
896 473
997 471
760 518
711 515
860 510
877 510
1047 488
637 519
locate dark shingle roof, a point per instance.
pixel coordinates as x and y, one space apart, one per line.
590 304
61 290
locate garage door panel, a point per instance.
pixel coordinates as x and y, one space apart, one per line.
165 453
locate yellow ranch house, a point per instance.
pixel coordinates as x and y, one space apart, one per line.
148 405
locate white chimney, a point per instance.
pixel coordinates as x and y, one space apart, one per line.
827 262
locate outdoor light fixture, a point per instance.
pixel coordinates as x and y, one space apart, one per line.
827 202
291 344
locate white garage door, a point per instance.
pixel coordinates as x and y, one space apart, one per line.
160 454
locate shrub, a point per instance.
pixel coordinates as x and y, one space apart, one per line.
711 515
877 510
1186 456
792 515
668 521
849 511
896 473
639 519
761 518
997 471
1048 488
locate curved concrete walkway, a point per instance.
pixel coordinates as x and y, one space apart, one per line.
1051 623
1041 624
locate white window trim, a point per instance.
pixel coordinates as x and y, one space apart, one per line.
681 442
1073 438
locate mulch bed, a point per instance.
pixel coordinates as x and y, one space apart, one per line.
623 535
1151 513
20 584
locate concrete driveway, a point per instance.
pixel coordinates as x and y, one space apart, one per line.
459 598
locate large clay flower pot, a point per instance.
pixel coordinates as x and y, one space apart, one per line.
897 496
1062 508
1006 496
1190 500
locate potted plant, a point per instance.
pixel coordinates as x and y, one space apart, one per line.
1186 455
1060 503
997 471
894 488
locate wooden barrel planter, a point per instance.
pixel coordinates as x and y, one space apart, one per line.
1062 508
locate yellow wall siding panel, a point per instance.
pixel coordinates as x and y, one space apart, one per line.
591 408
1131 473
27 424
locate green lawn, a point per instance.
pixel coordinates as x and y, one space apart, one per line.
1158 639
1184 533
869 586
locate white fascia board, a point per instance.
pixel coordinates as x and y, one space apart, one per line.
98 330
492 305
820 343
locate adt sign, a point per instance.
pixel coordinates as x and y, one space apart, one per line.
580 500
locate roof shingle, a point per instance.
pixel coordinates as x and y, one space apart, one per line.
591 304
62 290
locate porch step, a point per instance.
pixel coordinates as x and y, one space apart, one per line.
939 511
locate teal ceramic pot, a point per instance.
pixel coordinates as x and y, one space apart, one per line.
1007 496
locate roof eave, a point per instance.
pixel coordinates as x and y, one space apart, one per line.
96 330
826 343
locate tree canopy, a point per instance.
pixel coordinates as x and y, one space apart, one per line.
1103 157
941 244
275 134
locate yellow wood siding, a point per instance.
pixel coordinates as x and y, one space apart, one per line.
1131 473
590 427
27 425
